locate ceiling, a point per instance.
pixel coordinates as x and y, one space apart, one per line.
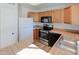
50 5
42 6
34 4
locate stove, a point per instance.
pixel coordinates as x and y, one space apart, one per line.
44 36
48 38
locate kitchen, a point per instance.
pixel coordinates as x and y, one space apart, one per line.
51 27
62 21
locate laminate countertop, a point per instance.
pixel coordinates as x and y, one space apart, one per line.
72 35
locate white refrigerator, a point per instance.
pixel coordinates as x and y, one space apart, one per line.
26 29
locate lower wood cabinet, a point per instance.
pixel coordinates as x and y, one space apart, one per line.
36 34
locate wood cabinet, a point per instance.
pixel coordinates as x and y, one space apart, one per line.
67 15
36 34
35 16
75 14
57 16
30 14
45 13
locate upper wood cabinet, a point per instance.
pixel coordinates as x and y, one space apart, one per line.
75 14
30 14
45 13
35 16
57 16
67 15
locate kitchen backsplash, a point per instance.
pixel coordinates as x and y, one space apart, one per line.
60 25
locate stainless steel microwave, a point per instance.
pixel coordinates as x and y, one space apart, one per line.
47 19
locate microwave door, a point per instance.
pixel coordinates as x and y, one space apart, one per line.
45 20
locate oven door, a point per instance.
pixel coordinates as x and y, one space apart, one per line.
43 35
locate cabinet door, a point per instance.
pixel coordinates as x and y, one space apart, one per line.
45 13
30 14
35 16
54 16
48 13
75 14
57 16
36 34
41 14
67 15
9 18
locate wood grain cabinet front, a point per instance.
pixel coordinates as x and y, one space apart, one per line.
45 13
36 34
75 14
57 16
30 14
35 16
67 15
